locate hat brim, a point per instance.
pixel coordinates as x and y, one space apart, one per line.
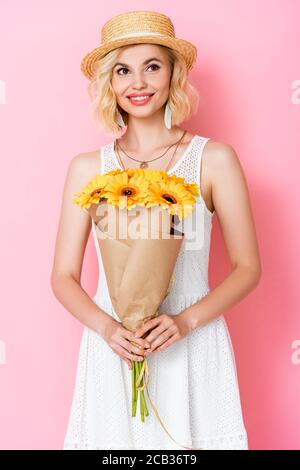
187 49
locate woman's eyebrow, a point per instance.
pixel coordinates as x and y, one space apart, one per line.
144 63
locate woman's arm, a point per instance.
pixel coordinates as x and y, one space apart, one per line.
73 232
72 236
231 201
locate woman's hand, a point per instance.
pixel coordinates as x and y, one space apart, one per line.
118 338
166 330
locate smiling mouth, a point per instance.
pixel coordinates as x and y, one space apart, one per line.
136 98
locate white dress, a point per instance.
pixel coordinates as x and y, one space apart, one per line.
193 382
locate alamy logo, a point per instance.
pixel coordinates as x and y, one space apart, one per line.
296 354
296 93
2 352
2 92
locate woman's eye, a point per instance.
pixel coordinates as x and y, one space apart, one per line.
154 65
124 68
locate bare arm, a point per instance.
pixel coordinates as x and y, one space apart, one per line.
72 236
232 204
73 232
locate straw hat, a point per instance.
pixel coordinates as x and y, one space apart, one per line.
138 27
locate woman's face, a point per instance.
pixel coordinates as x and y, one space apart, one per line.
142 68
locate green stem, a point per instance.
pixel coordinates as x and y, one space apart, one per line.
140 393
143 401
136 370
134 390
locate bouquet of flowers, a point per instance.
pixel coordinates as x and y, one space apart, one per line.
134 212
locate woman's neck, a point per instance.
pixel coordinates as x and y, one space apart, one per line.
145 141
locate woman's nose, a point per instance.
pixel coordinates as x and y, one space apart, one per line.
139 81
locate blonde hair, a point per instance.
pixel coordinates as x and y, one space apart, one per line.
183 97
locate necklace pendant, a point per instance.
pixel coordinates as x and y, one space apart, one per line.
144 165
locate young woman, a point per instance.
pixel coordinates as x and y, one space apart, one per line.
140 87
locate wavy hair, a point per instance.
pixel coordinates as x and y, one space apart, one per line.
183 97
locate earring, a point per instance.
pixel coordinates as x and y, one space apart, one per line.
120 120
168 116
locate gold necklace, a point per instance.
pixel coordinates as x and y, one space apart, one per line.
143 163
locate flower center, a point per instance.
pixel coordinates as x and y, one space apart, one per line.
170 198
96 191
128 191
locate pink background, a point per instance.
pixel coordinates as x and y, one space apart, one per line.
248 74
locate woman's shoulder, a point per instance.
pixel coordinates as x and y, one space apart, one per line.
218 153
218 148
219 159
87 162
83 167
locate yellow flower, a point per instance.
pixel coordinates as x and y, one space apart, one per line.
113 172
124 191
135 171
149 174
193 188
174 196
92 192
154 175
175 178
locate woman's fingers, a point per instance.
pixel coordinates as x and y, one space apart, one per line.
119 340
124 354
149 325
131 348
166 344
157 332
129 335
163 338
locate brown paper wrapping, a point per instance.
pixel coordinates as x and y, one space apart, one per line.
138 266
139 249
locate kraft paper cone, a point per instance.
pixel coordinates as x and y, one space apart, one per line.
139 263
138 268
